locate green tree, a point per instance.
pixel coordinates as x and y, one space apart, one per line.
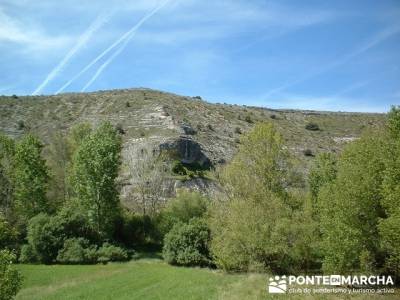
322 172
95 169
393 121
251 230
389 226
77 135
7 151
350 206
59 159
31 178
10 278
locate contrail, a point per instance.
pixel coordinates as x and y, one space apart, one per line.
127 40
126 36
107 62
83 39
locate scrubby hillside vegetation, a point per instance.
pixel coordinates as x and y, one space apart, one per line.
202 134
94 178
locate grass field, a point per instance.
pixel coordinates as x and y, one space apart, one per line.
148 279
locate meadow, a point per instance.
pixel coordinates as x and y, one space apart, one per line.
149 278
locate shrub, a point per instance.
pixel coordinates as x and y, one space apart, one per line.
133 230
187 244
238 130
191 170
120 129
20 125
393 121
248 119
46 234
312 126
76 224
183 208
210 127
45 237
179 168
308 152
27 254
273 117
8 234
10 279
108 252
77 251
128 104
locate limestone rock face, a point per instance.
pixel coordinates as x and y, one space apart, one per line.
201 134
188 151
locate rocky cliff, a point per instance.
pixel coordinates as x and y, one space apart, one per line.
202 135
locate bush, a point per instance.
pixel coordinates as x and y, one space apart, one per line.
120 129
187 244
393 121
76 224
308 152
27 254
190 170
248 119
109 252
46 234
238 130
8 234
77 251
134 230
179 168
10 279
183 208
45 237
312 126
20 125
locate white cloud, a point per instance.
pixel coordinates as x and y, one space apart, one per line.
31 37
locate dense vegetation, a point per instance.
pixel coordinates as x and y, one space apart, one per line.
64 207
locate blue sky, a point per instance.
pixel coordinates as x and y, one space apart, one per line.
323 55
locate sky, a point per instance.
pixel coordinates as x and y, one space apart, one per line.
320 55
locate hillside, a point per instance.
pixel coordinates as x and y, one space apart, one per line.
203 134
